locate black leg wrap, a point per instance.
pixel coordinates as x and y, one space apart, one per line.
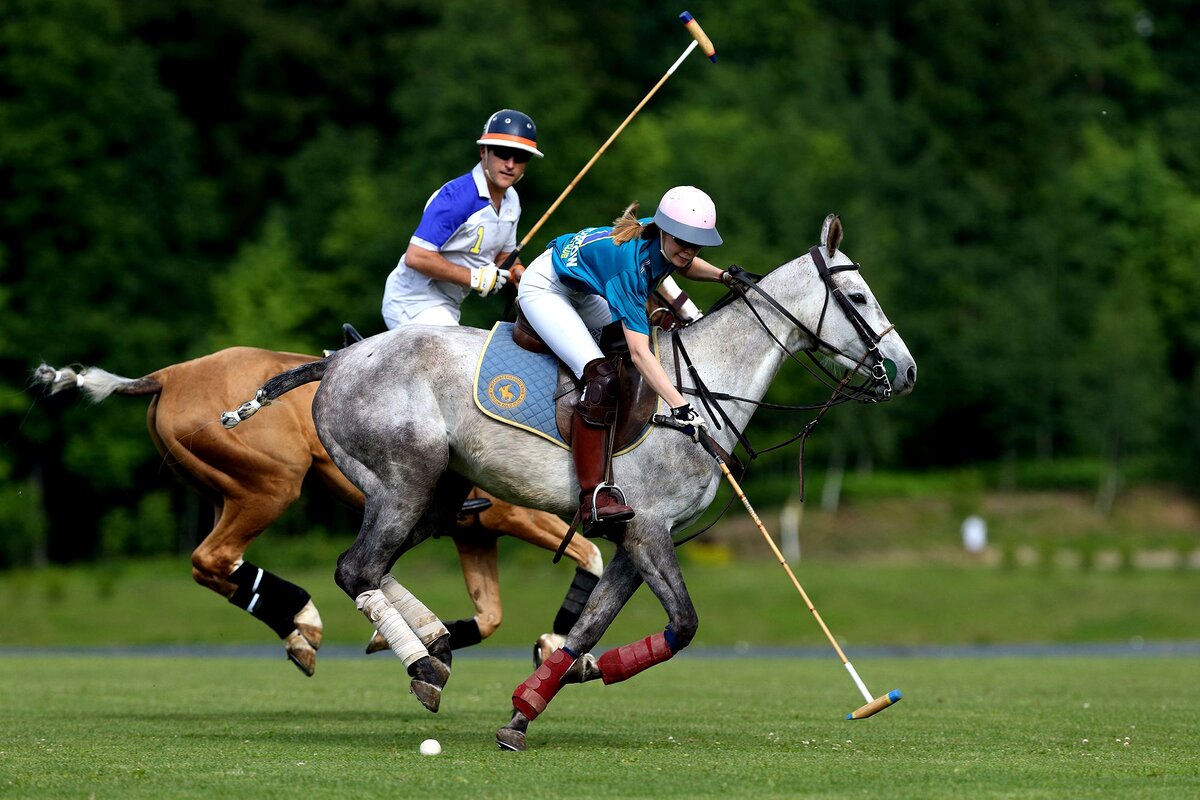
576 599
464 633
267 597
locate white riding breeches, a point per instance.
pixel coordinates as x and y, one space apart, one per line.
561 315
431 315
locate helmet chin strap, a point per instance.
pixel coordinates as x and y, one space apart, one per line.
662 248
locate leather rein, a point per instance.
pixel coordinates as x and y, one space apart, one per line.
875 389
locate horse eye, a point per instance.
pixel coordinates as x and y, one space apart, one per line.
858 298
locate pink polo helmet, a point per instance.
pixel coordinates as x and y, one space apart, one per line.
690 215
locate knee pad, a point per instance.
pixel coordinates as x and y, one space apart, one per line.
598 400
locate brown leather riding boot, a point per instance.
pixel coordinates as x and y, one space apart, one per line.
588 444
595 414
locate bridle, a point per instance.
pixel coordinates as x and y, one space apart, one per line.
875 389
879 387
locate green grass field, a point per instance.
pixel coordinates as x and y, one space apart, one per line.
694 727
101 726
894 604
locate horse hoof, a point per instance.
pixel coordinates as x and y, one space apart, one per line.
583 670
429 695
430 670
377 643
308 622
546 644
508 739
301 653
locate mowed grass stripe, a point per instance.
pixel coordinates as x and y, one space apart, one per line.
237 728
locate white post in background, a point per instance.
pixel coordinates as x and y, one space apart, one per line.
790 518
974 534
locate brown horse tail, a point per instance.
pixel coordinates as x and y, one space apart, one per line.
280 385
95 383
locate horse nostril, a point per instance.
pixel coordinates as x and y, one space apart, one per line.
911 375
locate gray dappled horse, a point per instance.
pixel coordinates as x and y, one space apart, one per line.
397 416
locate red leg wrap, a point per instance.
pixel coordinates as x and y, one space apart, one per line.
532 696
625 662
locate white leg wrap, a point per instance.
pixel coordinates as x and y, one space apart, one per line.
391 626
423 622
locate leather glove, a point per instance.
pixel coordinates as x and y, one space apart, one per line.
489 279
727 277
686 415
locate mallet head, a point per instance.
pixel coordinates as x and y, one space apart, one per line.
876 705
698 34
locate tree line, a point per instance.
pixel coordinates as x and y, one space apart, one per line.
1019 181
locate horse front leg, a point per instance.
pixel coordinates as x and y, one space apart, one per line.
563 666
652 551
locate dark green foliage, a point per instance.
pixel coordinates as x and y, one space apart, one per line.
1019 181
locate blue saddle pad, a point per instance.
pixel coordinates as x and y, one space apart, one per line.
517 387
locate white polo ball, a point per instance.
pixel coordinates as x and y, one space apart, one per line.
430 747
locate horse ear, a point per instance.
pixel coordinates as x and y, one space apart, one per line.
831 234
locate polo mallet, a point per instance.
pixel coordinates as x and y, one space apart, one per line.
698 39
873 705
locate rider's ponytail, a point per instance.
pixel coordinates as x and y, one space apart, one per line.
626 227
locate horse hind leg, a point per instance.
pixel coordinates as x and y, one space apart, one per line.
434 674
394 521
429 675
478 556
283 606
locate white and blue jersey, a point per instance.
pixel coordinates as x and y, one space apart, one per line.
461 224
623 274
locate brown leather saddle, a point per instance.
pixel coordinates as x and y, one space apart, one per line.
636 403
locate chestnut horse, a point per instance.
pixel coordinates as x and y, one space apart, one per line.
252 475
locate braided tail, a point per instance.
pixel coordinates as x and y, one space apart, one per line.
281 384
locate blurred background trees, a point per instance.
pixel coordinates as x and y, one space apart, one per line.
1019 180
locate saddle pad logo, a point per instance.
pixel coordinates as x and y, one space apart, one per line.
506 391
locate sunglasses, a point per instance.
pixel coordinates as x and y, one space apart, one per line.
686 245
505 153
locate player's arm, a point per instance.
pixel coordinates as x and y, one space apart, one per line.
701 270
484 280
434 265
